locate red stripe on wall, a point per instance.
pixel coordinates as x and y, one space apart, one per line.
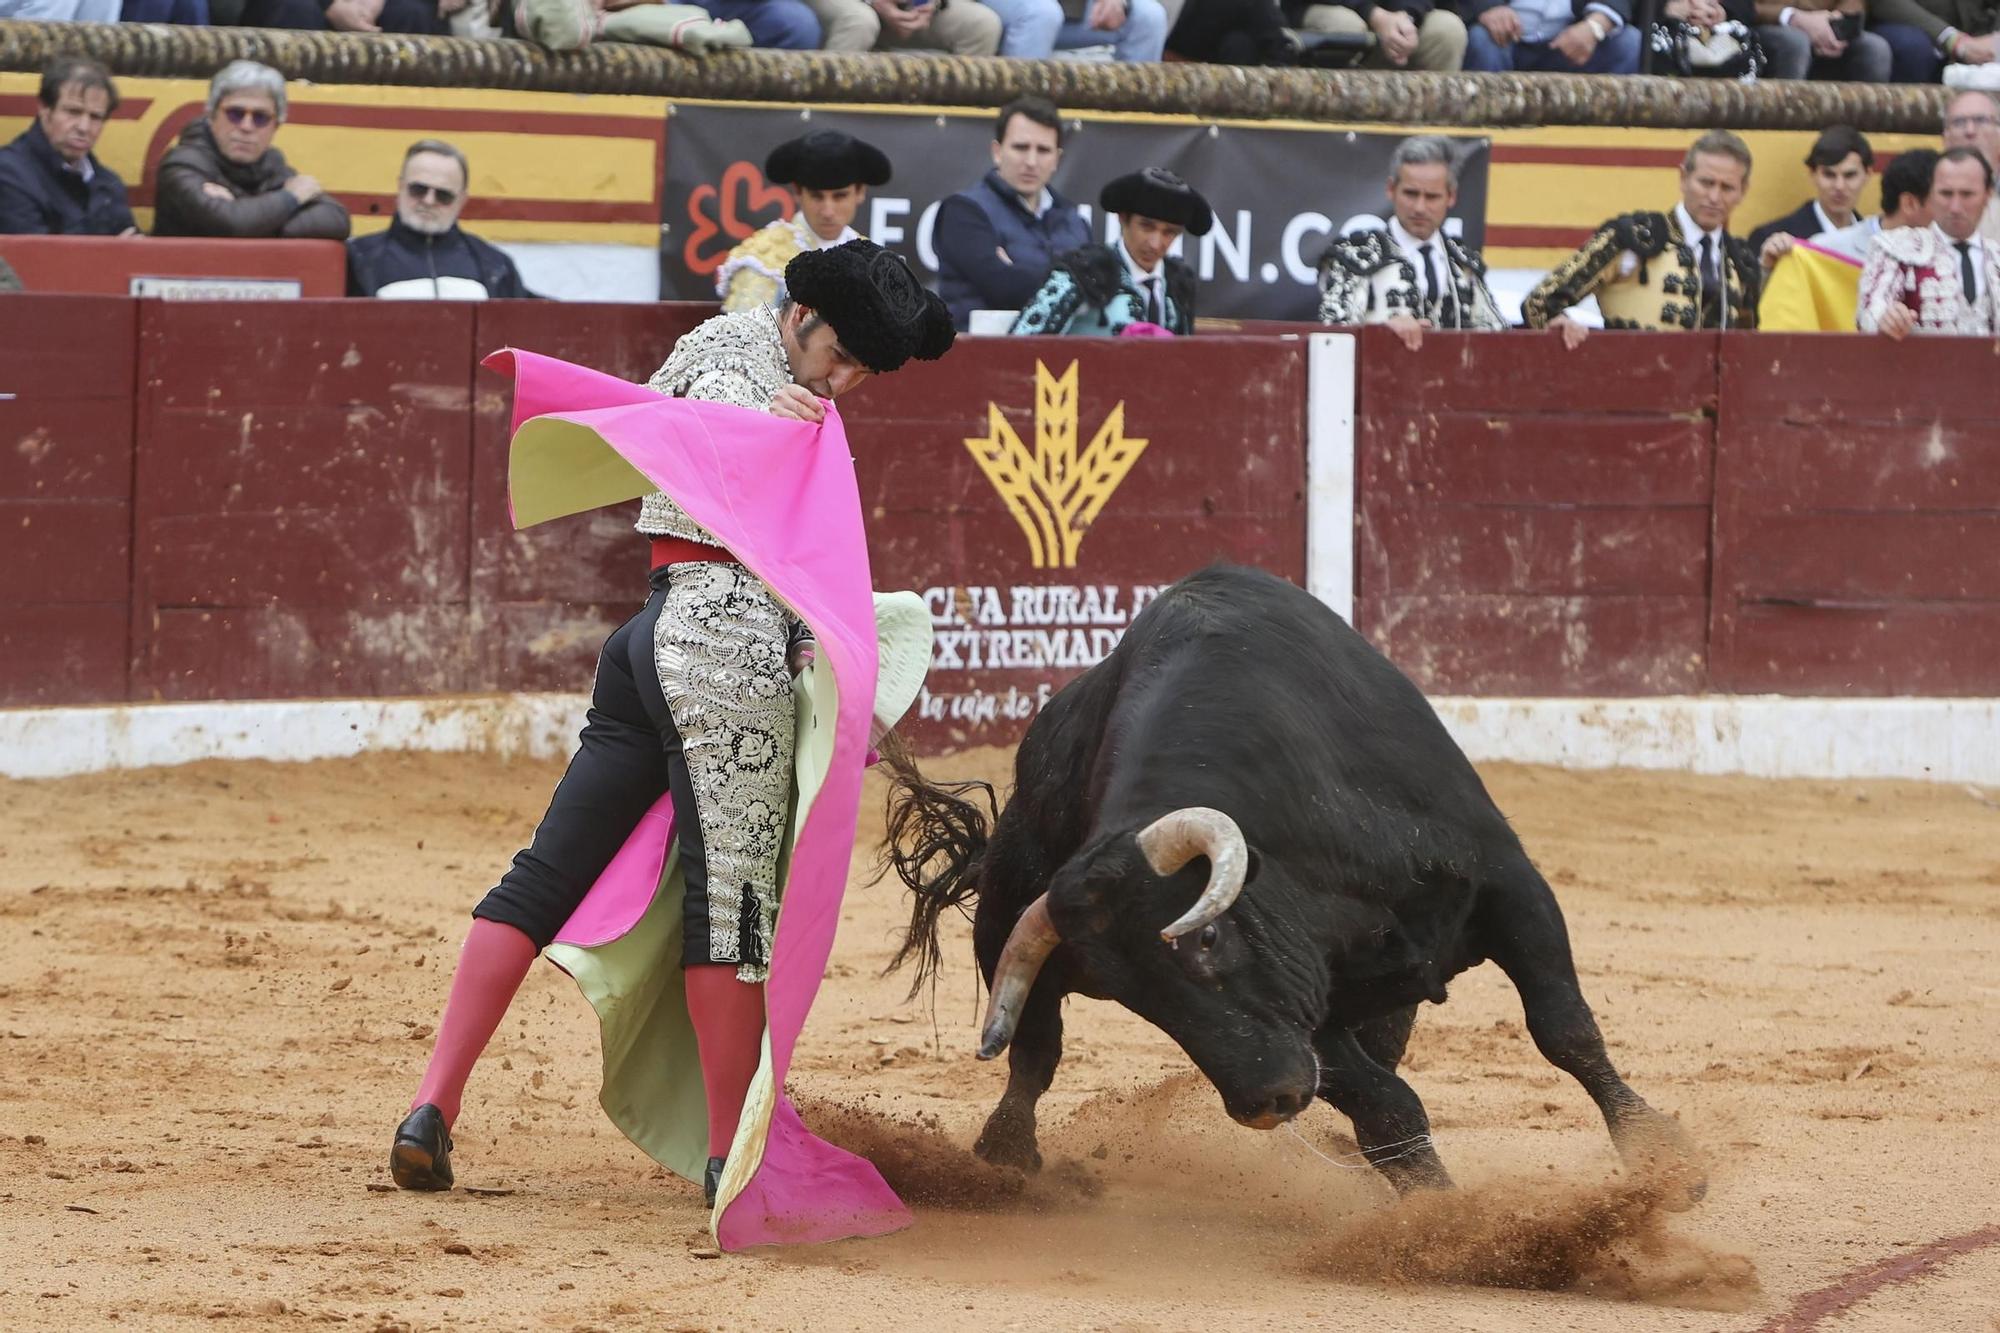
26 104
1561 238
517 210
437 120
1535 154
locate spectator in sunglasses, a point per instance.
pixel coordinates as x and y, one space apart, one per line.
423 256
224 179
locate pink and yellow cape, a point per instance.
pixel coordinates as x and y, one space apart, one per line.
781 495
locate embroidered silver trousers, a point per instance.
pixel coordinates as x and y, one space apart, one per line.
719 647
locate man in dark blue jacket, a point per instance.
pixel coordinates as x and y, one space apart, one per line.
997 241
423 256
50 183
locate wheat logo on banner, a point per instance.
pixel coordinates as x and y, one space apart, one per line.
1054 493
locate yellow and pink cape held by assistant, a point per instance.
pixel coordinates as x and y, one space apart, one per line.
781 495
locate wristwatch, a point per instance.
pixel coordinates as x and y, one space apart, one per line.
1597 28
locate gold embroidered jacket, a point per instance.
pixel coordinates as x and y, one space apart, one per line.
1663 292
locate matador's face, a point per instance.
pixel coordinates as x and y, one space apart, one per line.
819 362
1712 188
831 212
1423 195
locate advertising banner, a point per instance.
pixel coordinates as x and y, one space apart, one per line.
1039 492
1278 194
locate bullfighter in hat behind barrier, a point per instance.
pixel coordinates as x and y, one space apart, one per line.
1107 289
828 174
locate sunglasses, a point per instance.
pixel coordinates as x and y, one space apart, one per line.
419 192
240 116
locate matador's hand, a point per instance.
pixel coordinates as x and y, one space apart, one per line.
796 402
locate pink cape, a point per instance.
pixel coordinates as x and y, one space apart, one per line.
782 496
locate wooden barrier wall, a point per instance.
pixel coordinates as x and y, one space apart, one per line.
309 499
1535 521
1857 518
66 448
303 499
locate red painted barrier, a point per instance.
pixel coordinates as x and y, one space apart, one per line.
65 497
1535 521
1111 468
110 265
238 500
546 597
1857 517
301 499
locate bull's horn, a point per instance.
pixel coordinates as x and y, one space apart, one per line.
1173 840
1028 947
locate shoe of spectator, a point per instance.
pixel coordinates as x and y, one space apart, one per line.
571 25
693 30
559 25
472 18
1984 78
1333 50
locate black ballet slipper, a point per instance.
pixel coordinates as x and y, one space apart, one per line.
420 1159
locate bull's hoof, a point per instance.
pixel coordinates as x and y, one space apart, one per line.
1008 1140
1413 1176
1023 1156
1656 1149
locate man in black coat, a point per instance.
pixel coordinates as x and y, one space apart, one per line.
423 256
1840 161
51 184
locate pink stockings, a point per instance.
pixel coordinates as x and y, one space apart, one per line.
490 968
728 1018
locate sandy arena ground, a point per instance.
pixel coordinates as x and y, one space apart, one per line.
217 985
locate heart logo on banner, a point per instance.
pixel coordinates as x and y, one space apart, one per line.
742 203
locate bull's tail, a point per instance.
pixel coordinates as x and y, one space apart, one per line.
933 838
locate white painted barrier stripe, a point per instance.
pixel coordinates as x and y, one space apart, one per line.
1330 480
1942 740
57 742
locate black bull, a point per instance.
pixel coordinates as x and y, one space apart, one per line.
1251 830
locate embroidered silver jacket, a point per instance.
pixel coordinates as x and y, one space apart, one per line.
737 358
1365 279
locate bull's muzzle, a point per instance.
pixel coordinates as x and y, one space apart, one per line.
1168 843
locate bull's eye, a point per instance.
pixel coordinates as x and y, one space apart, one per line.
1209 934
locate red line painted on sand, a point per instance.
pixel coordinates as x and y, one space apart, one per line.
1853 1288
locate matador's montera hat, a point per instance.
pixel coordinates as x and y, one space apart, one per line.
826 160
1161 195
878 309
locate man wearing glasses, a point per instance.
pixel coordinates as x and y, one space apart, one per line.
225 179
424 256
1972 120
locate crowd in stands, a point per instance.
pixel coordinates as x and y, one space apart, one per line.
1873 41
226 178
1928 263
1011 246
